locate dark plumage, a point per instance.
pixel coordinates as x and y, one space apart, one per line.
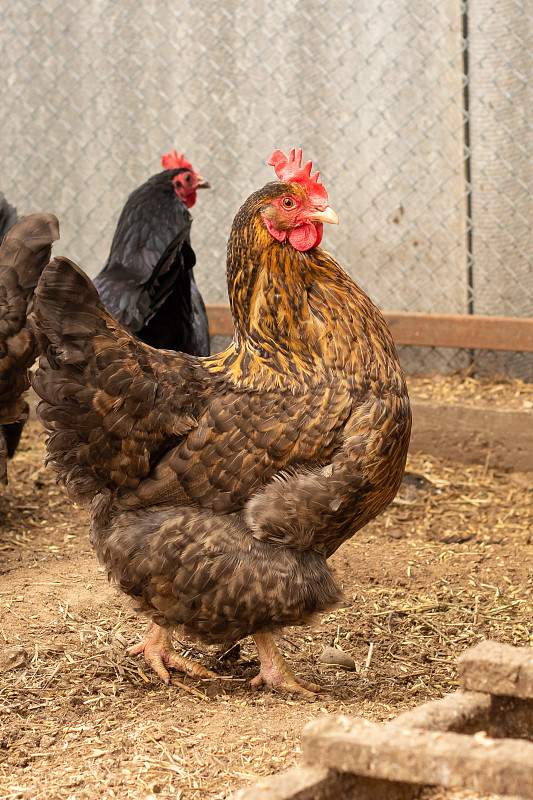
8 216
24 251
221 485
147 282
10 433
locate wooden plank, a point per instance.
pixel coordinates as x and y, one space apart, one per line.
429 330
220 319
462 330
373 750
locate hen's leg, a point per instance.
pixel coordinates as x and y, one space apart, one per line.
274 671
159 654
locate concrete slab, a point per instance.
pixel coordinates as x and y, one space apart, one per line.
500 669
460 712
372 750
309 783
470 739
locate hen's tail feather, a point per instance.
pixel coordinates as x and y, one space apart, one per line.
24 252
99 388
37 232
67 309
68 314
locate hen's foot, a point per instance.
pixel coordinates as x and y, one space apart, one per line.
274 671
160 655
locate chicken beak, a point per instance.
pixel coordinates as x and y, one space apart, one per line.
327 215
202 183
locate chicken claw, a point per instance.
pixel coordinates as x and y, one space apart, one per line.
274 671
159 654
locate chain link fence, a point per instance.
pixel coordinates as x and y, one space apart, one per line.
418 115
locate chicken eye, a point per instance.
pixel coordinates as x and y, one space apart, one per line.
288 202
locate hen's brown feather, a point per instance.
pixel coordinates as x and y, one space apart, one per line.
187 566
24 252
221 484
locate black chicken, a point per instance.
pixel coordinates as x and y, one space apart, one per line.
147 282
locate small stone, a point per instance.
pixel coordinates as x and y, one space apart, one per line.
338 658
46 741
523 479
14 657
455 537
395 533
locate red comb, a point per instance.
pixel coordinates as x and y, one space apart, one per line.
175 161
290 170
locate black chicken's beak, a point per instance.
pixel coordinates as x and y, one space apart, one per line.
203 184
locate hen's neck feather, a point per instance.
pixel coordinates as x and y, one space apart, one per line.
299 318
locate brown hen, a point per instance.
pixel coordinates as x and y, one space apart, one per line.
221 485
24 252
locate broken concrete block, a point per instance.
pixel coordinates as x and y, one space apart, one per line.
411 755
499 669
309 783
461 712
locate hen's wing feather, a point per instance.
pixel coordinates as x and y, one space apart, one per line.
134 303
171 311
241 442
322 507
200 325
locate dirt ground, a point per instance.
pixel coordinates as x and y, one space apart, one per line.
448 564
460 387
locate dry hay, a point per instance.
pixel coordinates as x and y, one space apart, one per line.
461 387
445 566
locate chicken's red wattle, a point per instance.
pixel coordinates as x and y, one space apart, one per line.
306 236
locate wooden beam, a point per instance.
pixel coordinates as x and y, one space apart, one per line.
429 330
480 434
220 319
474 332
